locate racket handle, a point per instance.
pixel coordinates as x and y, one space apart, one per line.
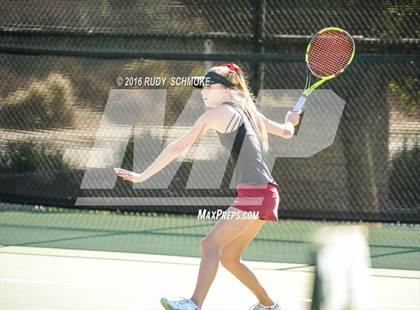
299 104
300 122
297 108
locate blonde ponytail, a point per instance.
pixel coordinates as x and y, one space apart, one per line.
245 99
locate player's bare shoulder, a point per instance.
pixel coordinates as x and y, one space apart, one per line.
222 116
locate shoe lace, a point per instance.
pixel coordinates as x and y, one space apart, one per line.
186 301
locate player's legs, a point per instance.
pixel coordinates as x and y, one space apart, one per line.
230 259
212 245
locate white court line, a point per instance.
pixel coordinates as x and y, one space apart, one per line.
172 259
134 257
48 282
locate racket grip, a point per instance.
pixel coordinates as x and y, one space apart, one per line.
299 104
297 108
300 122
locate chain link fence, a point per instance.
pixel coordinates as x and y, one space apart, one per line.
60 59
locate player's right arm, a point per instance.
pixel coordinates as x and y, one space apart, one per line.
171 151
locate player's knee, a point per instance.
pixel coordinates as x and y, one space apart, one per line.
209 244
229 261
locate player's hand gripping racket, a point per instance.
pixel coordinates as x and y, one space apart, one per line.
329 53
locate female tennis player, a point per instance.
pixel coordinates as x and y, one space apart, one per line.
232 113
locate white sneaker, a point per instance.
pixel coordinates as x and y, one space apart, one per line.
182 304
261 307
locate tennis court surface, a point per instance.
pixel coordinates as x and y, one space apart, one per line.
63 259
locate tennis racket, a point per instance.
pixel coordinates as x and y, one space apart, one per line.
328 54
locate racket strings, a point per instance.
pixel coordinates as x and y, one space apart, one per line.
329 53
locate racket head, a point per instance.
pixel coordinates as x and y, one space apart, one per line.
329 52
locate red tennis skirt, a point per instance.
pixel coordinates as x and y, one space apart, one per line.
262 198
